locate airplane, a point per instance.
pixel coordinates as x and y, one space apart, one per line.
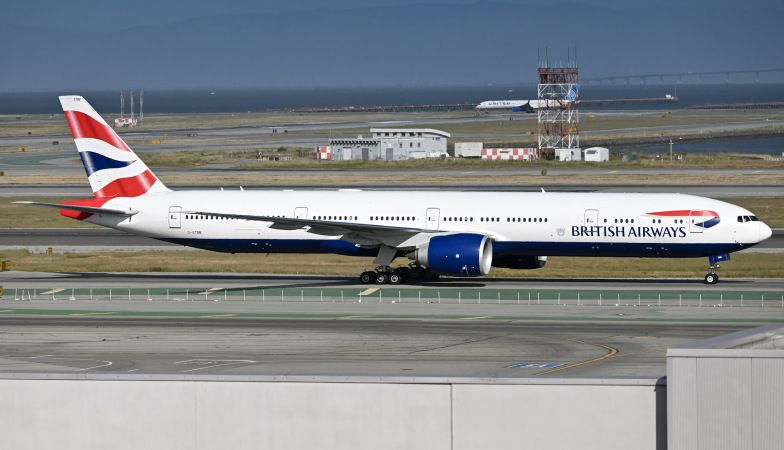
529 105
458 234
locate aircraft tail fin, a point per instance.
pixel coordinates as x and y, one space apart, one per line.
572 95
112 167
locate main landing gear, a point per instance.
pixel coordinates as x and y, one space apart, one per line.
402 274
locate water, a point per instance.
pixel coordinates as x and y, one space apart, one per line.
242 100
759 146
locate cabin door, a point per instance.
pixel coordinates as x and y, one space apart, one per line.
174 216
432 216
591 217
696 219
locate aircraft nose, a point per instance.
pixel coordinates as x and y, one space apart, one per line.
764 232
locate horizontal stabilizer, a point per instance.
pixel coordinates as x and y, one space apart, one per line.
84 209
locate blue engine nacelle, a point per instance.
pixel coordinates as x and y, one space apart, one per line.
459 255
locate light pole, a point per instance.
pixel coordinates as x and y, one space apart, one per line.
670 149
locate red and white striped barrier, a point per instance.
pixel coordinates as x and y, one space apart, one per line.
323 153
517 154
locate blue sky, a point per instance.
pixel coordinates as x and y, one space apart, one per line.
292 43
106 15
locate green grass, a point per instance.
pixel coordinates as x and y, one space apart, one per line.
756 265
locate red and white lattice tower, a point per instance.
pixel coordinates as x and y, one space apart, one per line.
558 106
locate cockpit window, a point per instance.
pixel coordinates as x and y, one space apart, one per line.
748 219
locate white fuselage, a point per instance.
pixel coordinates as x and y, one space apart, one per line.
554 224
503 104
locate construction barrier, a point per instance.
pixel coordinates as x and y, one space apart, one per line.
517 154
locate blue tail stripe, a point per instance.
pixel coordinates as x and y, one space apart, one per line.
93 162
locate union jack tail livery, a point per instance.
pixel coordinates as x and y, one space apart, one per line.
112 167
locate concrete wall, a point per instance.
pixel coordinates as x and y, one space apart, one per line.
65 411
728 392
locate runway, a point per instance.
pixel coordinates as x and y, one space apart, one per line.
268 324
342 345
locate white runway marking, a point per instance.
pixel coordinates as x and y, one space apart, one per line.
212 363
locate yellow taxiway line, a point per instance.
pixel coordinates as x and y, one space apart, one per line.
613 351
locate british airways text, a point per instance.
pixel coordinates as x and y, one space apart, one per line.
639 232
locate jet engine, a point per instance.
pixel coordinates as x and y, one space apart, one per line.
460 255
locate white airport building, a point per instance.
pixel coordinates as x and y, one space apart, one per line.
567 154
388 144
597 154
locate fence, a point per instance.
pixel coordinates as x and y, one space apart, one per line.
734 299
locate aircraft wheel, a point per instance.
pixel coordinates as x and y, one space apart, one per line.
366 277
404 273
417 274
395 278
381 278
711 278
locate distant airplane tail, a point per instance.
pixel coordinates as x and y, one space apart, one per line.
112 167
572 95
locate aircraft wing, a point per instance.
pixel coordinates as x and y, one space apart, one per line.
359 233
84 209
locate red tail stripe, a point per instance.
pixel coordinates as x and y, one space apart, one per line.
78 215
128 187
84 126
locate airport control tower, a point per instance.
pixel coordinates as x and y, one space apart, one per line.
558 110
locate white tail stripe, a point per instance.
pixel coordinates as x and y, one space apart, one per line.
77 103
103 178
103 148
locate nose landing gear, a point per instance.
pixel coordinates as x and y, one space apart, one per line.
712 278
